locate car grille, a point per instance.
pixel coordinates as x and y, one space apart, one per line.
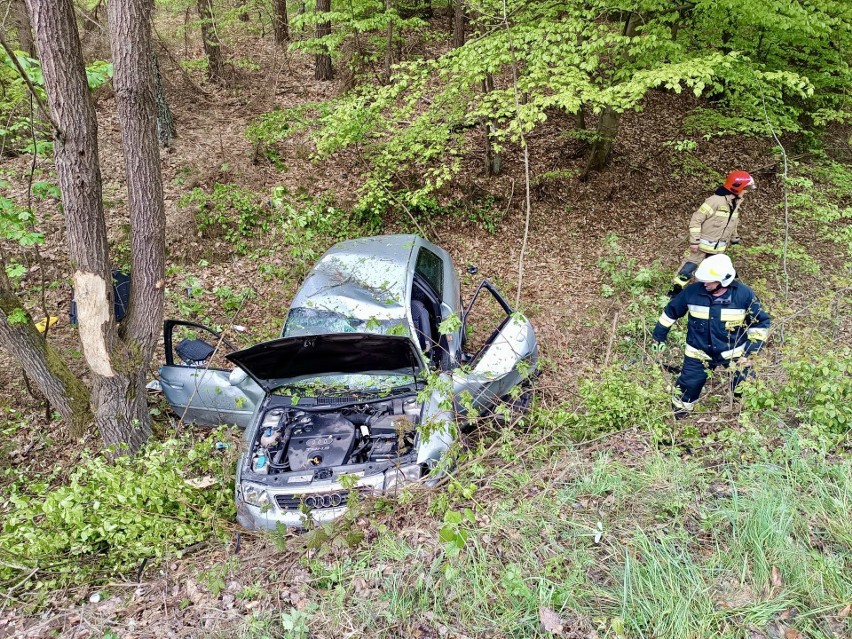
313 501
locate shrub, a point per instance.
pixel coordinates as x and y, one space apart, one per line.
110 516
811 391
623 398
228 211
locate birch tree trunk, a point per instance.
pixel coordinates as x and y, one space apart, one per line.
323 69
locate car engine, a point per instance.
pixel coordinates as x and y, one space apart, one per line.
300 440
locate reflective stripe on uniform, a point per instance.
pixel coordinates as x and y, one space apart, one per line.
725 213
712 246
697 353
699 312
739 351
732 314
694 231
706 209
666 321
757 334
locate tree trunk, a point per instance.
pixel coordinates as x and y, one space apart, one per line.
166 131
244 14
493 160
389 50
282 23
23 27
133 81
210 40
118 359
459 21
609 121
42 364
323 69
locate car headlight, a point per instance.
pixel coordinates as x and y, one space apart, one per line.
255 495
397 478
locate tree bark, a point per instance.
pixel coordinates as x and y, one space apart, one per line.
609 121
244 14
282 23
493 160
118 358
23 27
133 80
323 69
459 23
41 363
210 41
166 131
389 39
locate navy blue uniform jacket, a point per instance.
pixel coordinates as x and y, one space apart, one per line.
719 328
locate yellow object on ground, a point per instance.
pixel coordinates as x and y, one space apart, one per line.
45 323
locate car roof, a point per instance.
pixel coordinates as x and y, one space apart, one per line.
364 278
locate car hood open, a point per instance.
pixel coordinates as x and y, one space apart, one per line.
276 363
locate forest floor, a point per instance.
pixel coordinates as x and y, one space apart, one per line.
253 588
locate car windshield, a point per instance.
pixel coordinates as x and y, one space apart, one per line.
312 321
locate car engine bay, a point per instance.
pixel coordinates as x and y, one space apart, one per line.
294 439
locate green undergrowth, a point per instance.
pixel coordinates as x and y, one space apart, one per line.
108 517
658 547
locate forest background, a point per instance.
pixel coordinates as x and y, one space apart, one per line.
558 146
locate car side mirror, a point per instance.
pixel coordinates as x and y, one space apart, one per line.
237 376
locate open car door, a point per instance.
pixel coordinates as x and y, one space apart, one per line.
502 348
199 383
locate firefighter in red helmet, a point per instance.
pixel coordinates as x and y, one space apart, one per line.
713 227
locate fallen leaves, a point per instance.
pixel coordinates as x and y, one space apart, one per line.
550 621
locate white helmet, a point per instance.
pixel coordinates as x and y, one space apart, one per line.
716 268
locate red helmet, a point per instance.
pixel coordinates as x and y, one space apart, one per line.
739 181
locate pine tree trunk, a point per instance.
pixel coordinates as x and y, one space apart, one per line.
23 27
282 23
63 390
609 120
210 41
323 69
166 131
459 20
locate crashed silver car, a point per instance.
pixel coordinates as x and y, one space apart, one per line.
361 383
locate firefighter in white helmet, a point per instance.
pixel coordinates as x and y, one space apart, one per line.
726 325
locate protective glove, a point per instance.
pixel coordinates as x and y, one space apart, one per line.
657 348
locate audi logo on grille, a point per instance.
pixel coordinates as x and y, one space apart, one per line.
332 500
